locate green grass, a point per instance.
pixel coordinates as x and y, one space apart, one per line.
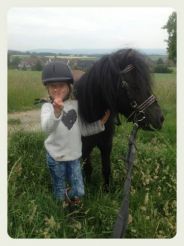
23 88
33 213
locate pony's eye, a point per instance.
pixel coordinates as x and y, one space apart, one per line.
133 104
124 84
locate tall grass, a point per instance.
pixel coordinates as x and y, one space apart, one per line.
33 213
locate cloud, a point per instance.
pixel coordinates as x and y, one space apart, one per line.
82 27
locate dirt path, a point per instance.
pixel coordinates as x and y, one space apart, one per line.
26 121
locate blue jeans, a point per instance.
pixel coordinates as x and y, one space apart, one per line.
63 172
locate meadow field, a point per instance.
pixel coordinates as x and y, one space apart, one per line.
32 211
23 88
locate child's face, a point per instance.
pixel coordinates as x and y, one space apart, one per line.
58 90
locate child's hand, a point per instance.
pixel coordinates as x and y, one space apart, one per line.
105 118
58 104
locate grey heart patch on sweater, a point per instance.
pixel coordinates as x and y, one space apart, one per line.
69 118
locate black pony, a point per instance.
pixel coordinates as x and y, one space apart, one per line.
118 82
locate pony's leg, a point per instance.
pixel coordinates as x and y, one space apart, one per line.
86 160
106 163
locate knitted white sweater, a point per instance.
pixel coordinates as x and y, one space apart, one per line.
64 133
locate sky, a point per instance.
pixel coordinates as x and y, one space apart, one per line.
87 28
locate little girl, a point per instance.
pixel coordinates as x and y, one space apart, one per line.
64 127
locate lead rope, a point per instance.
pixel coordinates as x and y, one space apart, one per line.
122 218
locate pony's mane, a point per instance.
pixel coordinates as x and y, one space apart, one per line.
97 90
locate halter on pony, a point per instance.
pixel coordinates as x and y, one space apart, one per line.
138 113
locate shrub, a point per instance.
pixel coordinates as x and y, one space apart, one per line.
162 68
